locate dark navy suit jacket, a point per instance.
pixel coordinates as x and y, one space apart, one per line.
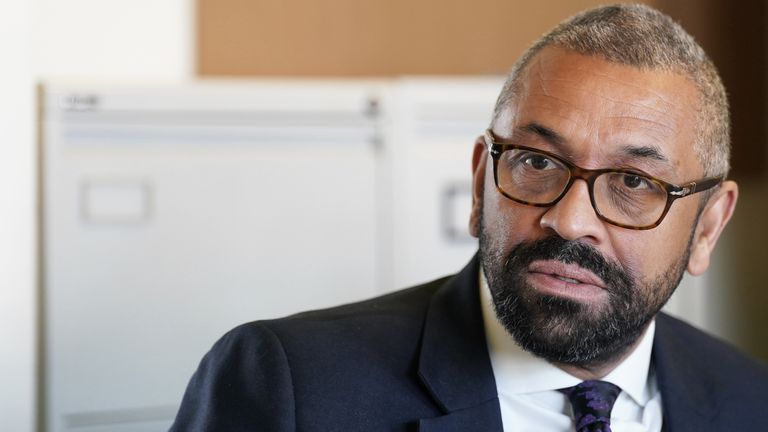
416 360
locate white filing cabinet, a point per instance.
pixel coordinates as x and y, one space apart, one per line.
174 214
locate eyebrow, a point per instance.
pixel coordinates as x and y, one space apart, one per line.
649 152
543 132
556 140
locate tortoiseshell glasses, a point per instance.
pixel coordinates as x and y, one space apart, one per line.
625 198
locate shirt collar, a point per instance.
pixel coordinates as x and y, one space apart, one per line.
518 371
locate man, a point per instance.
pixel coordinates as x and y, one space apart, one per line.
599 182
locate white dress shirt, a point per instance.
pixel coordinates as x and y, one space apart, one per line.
527 385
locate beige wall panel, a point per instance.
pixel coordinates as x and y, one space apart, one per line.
370 38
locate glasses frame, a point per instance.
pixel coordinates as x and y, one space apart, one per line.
674 192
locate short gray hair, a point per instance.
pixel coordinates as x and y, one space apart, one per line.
642 37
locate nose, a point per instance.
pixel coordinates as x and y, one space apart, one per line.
573 217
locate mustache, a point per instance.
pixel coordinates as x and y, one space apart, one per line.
617 279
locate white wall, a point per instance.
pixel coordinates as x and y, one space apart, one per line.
17 288
116 40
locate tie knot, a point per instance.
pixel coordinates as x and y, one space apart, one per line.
592 403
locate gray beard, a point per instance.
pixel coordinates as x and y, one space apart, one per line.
562 330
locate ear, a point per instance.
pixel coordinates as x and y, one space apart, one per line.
479 158
714 217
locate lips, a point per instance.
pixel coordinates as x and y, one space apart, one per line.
569 280
568 273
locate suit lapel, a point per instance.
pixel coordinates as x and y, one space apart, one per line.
453 362
686 393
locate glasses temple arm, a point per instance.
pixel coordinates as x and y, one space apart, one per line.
699 186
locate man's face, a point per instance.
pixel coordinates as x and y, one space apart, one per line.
568 286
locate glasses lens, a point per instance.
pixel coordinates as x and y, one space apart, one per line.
629 199
530 176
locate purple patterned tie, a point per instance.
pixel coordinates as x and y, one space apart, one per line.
592 402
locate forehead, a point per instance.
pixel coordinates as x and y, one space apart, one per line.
604 110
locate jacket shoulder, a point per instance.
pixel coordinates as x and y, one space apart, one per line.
701 374
358 328
242 383
314 367
717 357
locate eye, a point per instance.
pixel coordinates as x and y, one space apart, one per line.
635 182
538 162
